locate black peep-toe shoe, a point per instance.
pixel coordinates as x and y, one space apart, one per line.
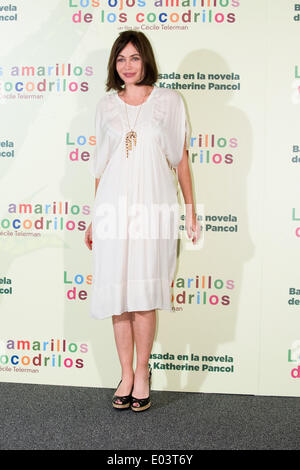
125 400
143 403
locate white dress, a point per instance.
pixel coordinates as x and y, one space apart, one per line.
134 248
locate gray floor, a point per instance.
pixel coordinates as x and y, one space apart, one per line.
55 417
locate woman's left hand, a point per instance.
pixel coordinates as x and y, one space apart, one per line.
193 227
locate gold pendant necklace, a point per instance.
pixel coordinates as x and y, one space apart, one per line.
131 136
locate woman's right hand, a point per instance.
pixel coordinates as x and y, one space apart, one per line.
88 237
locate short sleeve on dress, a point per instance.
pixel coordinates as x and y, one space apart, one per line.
177 130
101 155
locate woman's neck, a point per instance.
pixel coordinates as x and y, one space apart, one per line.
134 94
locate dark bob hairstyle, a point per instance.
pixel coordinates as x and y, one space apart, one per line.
143 46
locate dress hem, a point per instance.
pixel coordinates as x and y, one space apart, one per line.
168 308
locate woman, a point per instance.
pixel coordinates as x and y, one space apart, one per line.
141 135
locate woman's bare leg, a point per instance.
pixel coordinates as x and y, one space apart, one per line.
123 333
144 324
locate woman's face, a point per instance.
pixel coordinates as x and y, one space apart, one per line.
129 64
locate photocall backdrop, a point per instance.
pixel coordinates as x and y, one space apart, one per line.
235 325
